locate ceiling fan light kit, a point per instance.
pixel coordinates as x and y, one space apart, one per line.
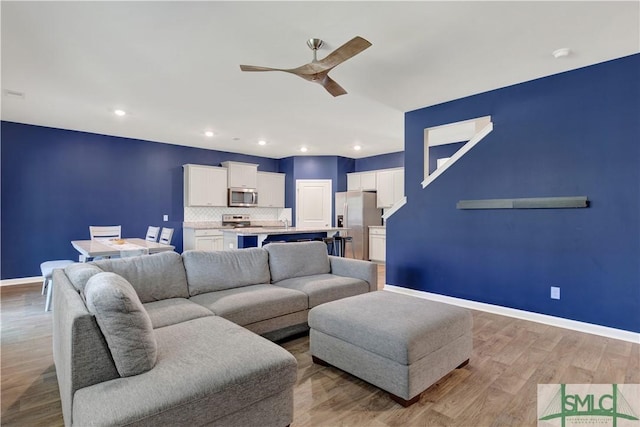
318 70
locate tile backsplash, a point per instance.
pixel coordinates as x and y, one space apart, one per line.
199 214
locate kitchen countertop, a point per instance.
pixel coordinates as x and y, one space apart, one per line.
203 225
377 226
267 228
252 231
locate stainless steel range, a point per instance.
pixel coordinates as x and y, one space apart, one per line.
236 220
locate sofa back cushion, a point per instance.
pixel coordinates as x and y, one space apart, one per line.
219 270
79 273
124 322
287 260
154 277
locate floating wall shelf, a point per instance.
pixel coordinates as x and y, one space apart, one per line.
528 203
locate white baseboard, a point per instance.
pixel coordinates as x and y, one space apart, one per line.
560 322
21 281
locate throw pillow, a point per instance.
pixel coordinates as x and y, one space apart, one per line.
124 323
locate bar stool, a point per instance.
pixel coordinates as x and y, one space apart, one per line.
47 268
341 245
329 241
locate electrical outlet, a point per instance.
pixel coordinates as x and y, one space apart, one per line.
555 292
165 217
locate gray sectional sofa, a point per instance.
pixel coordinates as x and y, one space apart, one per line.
173 339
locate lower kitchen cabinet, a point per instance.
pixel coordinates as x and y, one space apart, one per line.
377 244
202 240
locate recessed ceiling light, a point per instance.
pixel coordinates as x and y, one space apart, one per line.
303 149
357 147
208 134
262 142
561 53
119 112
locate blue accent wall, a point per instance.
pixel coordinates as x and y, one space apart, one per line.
345 166
383 161
55 183
286 166
334 168
571 134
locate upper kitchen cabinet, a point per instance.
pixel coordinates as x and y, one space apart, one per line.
270 190
205 185
390 187
241 175
361 181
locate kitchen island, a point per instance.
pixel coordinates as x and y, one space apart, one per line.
252 237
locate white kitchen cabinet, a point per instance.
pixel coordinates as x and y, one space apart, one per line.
361 181
398 184
270 190
205 185
202 240
241 175
389 186
377 244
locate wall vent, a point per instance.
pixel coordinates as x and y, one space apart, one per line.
13 94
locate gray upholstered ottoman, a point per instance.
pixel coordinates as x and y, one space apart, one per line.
399 343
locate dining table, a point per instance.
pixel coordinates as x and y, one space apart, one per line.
117 247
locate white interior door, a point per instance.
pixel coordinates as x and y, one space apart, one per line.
314 199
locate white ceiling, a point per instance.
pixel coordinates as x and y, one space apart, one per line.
174 65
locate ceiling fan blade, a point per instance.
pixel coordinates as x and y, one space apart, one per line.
344 52
257 68
317 71
332 87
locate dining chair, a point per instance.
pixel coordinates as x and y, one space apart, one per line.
166 235
105 232
99 232
152 234
47 268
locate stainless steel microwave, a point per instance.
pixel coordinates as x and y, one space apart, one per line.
242 197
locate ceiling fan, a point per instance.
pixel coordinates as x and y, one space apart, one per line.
318 71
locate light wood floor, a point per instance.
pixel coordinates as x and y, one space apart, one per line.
497 388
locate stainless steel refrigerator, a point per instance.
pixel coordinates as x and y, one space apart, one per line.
356 210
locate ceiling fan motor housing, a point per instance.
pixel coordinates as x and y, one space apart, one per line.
314 44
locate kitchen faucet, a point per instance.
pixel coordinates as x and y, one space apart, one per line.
285 222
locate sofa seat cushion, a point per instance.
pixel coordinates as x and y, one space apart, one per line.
322 288
207 368
218 270
154 277
287 260
250 304
174 310
124 322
